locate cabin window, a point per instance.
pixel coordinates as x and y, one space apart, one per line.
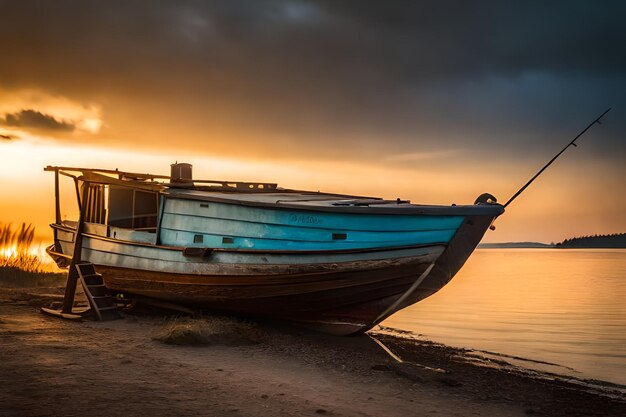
94 206
121 207
132 209
339 236
146 209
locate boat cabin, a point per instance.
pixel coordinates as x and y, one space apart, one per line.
128 206
122 212
177 211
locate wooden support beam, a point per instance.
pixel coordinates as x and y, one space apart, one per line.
57 207
57 210
77 315
76 187
72 276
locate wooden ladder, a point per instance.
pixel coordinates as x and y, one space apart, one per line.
100 300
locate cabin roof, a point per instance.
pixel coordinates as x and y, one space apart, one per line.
269 195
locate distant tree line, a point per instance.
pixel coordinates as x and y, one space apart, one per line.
615 240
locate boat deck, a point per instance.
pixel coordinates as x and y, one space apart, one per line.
318 201
304 198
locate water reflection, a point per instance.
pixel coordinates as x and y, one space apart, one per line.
562 306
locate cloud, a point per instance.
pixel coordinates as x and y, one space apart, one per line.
36 120
330 40
503 84
318 77
7 137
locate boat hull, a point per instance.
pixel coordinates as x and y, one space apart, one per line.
344 296
340 292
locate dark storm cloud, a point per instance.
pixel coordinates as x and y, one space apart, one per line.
414 40
444 71
36 120
460 37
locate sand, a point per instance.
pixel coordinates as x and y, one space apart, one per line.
52 367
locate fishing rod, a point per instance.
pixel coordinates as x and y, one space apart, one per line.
572 143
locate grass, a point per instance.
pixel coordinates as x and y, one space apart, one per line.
16 277
224 331
19 266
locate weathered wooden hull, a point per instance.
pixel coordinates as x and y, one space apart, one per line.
341 292
329 296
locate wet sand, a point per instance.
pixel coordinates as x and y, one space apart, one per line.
54 367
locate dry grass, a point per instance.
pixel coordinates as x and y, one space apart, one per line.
15 245
16 277
224 331
18 266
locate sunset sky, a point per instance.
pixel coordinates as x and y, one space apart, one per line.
436 102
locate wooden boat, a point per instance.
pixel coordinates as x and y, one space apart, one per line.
338 263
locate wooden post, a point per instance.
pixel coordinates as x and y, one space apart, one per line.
80 203
57 207
72 276
161 202
57 210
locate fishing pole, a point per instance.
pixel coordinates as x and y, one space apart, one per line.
572 143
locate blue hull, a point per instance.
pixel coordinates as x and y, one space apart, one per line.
190 223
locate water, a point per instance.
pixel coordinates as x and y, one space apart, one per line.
561 306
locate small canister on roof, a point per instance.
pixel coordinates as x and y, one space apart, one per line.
181 173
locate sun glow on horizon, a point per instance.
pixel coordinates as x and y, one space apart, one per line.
30 190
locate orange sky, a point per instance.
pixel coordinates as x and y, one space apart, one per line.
565 202
412 101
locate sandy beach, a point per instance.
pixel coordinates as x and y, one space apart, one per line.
52 367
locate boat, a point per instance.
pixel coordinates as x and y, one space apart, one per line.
333 262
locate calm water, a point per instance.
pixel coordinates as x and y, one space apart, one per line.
561 306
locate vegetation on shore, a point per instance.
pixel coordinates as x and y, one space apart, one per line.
18 265
514 245
615 240
612 241
212 330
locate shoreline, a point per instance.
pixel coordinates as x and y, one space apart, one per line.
500 362
54 367
515 362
